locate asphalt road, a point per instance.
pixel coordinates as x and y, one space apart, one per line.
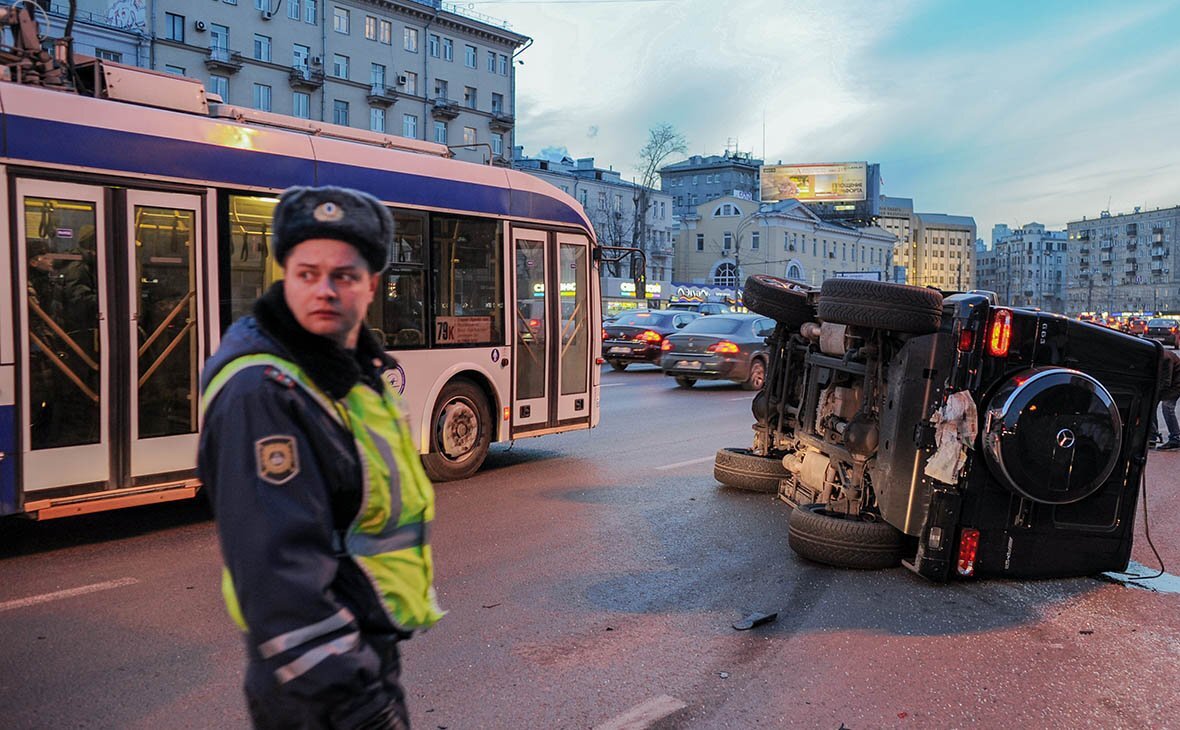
590 574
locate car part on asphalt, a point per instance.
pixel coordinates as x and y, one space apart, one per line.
782 300
844 541
881 305
743 469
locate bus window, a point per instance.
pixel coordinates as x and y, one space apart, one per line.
63 338
398 316
468 282
251 268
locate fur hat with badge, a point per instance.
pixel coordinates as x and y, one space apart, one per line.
342 214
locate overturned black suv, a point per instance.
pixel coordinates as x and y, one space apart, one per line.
956 436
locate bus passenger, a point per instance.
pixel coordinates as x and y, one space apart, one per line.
318 491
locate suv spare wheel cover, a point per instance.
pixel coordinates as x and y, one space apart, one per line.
1053 435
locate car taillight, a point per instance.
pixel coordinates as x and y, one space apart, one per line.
605 336
649 336
1000 333
968 548
966 340
724 347
666 346
1173 330
534 323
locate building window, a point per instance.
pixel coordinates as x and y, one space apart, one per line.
434 45
231 2
293 9
218 38
469 57
301 105
339 66
385 32
440 89
727 241
106 55
497 144
299 55
411 82
469 97
448 49
468 135
491 62
377 119
755 240
340 20
220 85
174 27
262 97
601 200
178 70
700 242
497 103
261 5
370 28
725 275
310 12
410 126
440 132
261 47
377 74
340 112
410 40
503 65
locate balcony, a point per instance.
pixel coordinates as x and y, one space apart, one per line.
1158 252
303 78
445 109
501 122
1131 259
223 60
1085 250
1157 267
1132 244
381 95
1130 269
1106 244
1084 263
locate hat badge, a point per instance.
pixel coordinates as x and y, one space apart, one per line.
328 212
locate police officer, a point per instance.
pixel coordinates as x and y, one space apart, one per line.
319 495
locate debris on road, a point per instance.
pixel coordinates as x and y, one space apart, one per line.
755 619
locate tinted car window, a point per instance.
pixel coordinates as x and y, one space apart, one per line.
1161 323
764 327
644 319
715 325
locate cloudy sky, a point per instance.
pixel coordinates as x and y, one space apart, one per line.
1006 111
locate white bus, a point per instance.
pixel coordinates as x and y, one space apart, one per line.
136 230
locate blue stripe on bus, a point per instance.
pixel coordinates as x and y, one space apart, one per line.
8 464
62 143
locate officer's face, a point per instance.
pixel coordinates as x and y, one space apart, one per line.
329 288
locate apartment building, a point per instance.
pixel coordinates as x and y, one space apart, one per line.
1028 266
1123 263
611 205
701 179
416 68
726 240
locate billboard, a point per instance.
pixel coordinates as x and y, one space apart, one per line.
815 183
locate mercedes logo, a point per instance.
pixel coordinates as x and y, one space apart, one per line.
1065 438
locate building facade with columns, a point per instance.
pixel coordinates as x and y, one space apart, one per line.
422 69
723 241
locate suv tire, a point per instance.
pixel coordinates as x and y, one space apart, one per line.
741 469
782 300
845 542
881 305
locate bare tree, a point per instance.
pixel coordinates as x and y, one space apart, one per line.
663 141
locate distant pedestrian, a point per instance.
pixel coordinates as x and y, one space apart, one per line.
318 491
1169 394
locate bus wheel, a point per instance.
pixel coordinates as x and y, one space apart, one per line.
460 431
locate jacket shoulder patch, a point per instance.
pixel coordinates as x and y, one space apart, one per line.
277 458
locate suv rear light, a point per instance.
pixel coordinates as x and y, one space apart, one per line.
666 346
649 336
999 334
968 547
725 347
966 340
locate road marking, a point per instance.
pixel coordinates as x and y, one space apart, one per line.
742 397
1166 583
612 385
679 464
645 714
68 593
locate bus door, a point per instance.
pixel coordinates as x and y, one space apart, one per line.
164 350
64 395
553 339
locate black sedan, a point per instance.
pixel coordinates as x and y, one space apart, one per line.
721 347
637 336
1165 330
